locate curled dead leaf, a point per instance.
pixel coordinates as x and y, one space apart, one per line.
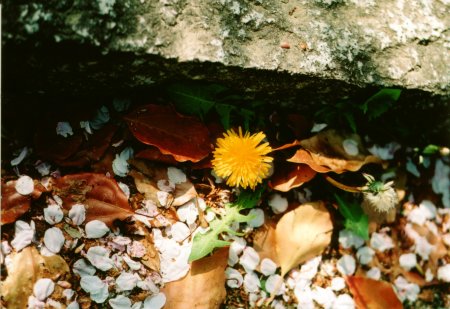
185 138
302 234
203 286
372 294
264 241
25 269
288 176
325 153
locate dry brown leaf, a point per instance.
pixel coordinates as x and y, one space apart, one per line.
25 269
302 234
325 153
102 196
289 176
372 294
151 257
203 286
264 241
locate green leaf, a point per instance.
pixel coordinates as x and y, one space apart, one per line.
74 233
224 111
355 219
248 116
204 244
351 121
380 102
193 98
249 199
431 149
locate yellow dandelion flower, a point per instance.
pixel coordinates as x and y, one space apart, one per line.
242 159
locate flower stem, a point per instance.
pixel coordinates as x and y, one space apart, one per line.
342 186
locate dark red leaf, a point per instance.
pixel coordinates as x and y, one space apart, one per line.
104 199
14 204
153 154
185 138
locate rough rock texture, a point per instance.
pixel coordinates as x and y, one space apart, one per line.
327 46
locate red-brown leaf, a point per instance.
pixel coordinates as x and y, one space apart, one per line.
14 204
288 176
153 154
372 294
185 138
102 196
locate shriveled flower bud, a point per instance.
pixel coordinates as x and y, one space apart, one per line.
380 200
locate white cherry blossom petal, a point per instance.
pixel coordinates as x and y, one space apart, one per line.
251 282
381 242
443 273
258 219
99 257
346 265
365 255
126 281
77 214
64 129
53 214
272 283
278 203
349 239
406 290
350 147
43 288
180 231
337 283
54 239
249 259
374 273
97 289
268 267
155 301
23 236
176 175
234 278
96 229
24 185
82 268
344 301
408 261
120 302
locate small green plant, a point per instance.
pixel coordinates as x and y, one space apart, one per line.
354 217
200 99
204 244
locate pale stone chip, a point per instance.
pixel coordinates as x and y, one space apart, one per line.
126 281
346 265
155 301
365 255
43 288
234 278
249 259
82 268
408 261
272 283
64 129
258 217
120 302
268 267
24 185
77 214
251 282
176 175
278 203
350 146
96 229
54 239
99 257
23 236
53 214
